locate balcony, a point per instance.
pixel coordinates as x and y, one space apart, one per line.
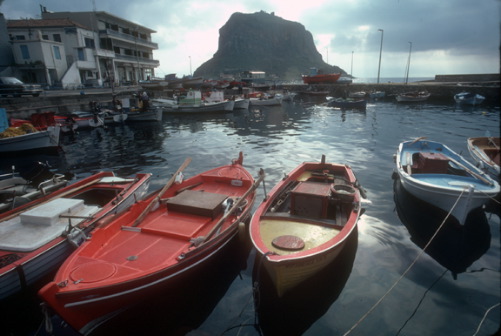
134 59
127 38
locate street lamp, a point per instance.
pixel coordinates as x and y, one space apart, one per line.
408 64
190 64
351 71
380 52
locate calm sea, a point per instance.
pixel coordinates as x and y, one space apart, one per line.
446 290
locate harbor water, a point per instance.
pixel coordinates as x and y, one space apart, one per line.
383 283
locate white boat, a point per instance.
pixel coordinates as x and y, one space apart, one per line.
193 103
414 96
377 94
468 98
435 174
48 138
82 119
241 103
265 100
112 117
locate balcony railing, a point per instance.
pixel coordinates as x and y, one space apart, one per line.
127 38
134 59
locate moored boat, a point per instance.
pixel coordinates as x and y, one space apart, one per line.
486 153
357 104
177 229
303 223
36 237
468 98
434 173
193 103
14 140
414 96
152 114
318 78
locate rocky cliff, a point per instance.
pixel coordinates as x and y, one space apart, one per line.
264 42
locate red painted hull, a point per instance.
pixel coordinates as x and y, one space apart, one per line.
321 79
29 265
302 207
123 264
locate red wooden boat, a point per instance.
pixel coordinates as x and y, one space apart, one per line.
304 222
36 237
157 241
315 77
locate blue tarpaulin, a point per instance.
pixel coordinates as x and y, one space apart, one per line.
4 122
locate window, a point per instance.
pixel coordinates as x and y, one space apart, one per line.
81 56
89 43
20 37
57 52
45 37
25 52
57 37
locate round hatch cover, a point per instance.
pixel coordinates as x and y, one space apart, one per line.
92 272
288 242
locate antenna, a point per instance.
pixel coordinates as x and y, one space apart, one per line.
93 5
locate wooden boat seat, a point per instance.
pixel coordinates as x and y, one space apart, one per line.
197 202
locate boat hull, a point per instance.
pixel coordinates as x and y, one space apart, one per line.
30 141
319 218
434 181
321 79
150 115
225 106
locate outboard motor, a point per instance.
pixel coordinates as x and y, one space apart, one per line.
36 173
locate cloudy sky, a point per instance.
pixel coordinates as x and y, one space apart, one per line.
448 36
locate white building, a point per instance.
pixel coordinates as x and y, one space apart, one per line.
69 49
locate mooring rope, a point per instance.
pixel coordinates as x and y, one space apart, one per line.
483 318
406 271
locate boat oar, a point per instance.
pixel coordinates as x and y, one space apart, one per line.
200 240
143 214
480 177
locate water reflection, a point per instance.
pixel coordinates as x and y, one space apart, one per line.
299 308
455 246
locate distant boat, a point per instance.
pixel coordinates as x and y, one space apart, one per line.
193 103
303 223
154 84
358 94
414 96
434 173
486 153
317 78
358 104
467 98
377 94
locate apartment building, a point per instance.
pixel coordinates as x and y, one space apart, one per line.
70 49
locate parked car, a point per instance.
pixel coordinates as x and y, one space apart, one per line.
15 87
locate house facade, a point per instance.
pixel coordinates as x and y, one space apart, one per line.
68 50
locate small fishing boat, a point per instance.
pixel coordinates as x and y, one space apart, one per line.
357 104
377 94
468 98
259 98
434 173
82 119
152 114
303 223
178 229
36 238
486 153
315 77
17 139
241 103
193 103
357 94
414 96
